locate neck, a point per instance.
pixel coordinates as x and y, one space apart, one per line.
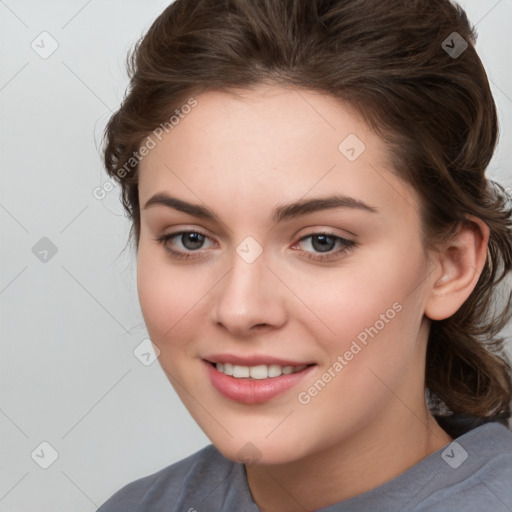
369 458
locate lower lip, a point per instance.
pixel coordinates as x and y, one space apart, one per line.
253 391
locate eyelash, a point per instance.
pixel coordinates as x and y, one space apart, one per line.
348 246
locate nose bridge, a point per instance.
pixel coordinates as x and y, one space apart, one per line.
249 294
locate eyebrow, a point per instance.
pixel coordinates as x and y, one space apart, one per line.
280 213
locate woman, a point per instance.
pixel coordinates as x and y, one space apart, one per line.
319 253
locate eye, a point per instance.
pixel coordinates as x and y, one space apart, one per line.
190 242
324 243
319 246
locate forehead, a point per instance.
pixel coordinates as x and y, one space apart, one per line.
268 145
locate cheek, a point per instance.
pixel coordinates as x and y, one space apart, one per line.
376 319
169 296
371 313
368 290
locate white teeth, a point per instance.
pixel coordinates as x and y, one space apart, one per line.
274 370
259 372
240 371
262 371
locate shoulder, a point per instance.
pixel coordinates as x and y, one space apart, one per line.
180 483
476 474
473 473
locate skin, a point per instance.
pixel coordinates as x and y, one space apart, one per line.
241 156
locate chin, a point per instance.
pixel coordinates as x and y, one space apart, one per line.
260 453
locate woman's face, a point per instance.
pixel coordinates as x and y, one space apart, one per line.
333 284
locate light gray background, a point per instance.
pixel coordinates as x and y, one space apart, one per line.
68 373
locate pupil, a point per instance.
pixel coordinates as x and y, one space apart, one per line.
192 240
325 245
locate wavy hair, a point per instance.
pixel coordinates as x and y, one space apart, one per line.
413 80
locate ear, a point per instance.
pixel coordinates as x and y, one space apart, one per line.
458 265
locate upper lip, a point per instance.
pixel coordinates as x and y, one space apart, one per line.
253 360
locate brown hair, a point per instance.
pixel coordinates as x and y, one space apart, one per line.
391 60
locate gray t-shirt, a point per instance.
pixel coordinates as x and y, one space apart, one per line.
472 474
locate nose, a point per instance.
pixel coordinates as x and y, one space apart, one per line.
249 298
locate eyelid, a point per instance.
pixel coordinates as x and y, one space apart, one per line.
316 231
347 245
186 228
173 234
330 231
325 233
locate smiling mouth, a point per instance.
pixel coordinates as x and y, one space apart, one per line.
255 384
258 372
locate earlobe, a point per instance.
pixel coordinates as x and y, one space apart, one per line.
459 264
